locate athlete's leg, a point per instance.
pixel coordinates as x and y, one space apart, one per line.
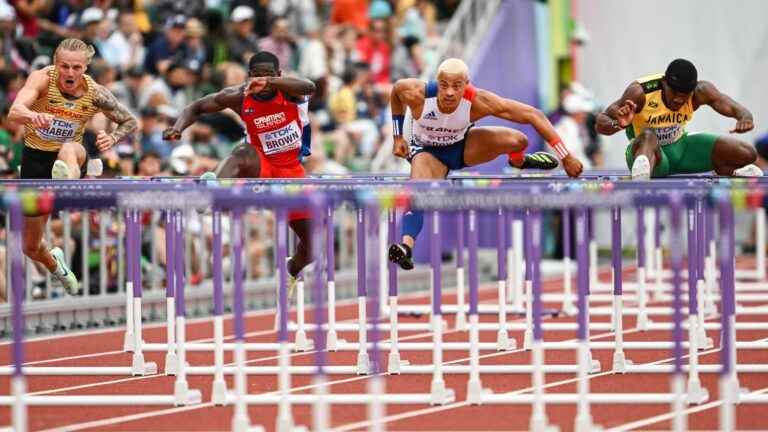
646 154
729 154
424 166
32 241
302 257
484 144
242 162
73 155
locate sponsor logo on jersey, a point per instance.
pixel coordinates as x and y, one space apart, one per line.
59 130
430 116
269 120
281 140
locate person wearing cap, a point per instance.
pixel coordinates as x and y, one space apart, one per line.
571 126
160 54
274 110
90 21
654 110
18 53
243 42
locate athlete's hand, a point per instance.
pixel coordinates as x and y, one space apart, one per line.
572 166
626 113
400 147
41 120
744 125
104 141
171 134
255 85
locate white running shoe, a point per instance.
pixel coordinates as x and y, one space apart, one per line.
63 274
60 170
641 168
750 170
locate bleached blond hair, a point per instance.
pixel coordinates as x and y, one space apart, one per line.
73 44
453 66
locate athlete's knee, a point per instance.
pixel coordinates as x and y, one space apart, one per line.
745 154
646 140
518 141
32 249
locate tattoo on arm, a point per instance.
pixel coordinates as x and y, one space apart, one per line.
115 111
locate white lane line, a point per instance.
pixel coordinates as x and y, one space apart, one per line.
667 416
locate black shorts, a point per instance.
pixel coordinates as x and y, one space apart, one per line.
37 164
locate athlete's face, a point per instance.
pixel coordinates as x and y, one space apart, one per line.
674 99
450 89
71 66
264 70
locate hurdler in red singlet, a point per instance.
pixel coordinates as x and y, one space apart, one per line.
274 110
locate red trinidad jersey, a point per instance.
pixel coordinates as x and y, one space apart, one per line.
275 127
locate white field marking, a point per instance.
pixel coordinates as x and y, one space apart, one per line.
159 375
139 416
661 417
424 411
272 311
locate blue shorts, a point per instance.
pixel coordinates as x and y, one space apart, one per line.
452 156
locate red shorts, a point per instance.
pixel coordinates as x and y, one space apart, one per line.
291 171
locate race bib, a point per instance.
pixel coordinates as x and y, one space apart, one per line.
669 134
59 130
281 140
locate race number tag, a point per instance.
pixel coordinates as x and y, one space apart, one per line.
59 130
281 140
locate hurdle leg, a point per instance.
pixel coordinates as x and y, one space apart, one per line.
300 337
474 385
619 359
569 308
440 395
539 421
461 314
517 253
583 422
332 338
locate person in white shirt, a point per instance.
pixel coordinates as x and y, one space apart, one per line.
572 126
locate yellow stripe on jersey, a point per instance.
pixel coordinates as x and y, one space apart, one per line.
668 125
70 115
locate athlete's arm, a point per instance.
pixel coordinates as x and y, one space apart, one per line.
405 92
707 94
118 113
230 97
619 114
21 112
289 86
489 104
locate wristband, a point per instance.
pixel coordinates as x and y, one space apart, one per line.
559 148
397 125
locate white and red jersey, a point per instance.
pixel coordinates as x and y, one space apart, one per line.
437 129
274 127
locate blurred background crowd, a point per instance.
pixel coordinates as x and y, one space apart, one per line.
158 56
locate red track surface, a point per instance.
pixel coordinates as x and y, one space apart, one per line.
104 349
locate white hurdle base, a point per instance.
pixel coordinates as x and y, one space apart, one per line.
573 398
384 326
340 399
150 368
341 345
703 368
405 369
102 400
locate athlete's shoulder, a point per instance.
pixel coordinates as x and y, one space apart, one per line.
40 76
650 83
409 85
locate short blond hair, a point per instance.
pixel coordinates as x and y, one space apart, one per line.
73 44
454 66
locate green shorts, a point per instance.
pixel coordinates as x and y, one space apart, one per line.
691 154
